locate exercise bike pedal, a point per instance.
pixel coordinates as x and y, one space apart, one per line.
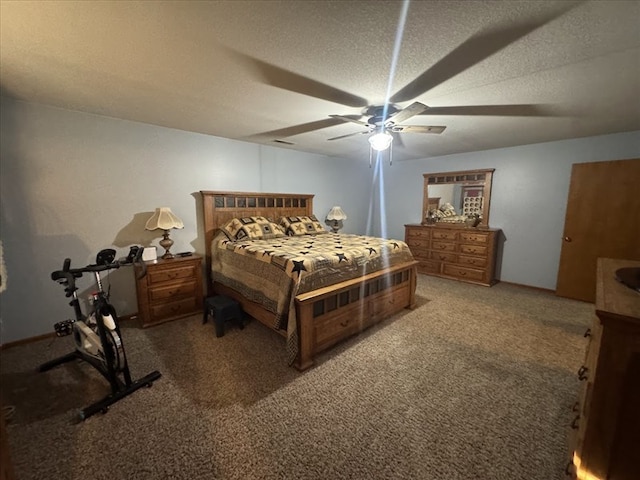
64 328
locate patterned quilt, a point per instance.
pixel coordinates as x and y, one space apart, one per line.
272 272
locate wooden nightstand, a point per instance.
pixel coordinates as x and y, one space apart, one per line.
171 289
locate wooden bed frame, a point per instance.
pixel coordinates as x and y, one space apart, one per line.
327 315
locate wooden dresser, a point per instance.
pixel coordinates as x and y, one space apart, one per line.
467 254
171 289
605 444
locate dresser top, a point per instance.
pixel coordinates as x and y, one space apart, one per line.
613 296
454 226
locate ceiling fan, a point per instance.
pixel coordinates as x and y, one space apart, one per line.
387 120
384 123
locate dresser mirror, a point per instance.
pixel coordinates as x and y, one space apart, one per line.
457 198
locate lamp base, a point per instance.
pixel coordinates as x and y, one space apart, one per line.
166 243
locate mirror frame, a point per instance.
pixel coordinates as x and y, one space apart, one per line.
466 177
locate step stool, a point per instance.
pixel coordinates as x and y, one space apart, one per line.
222 309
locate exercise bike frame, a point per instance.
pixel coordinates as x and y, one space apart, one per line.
119 378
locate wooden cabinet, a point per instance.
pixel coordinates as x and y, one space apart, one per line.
606 426
466 254
171 289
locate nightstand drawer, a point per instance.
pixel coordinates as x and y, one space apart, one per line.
168 274
174 309
187 288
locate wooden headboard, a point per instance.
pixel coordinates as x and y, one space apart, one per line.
220 207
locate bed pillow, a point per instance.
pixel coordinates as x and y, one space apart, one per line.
252 228
304 225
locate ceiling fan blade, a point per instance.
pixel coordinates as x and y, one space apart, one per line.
281 78
416 108
523 110
471 52
347 135
417 129
350 118
298 129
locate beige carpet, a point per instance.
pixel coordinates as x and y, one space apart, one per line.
475 383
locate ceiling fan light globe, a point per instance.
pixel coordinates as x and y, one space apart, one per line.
380 141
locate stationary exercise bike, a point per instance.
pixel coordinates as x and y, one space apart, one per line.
97 336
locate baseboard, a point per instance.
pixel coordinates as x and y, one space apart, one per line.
44 336
530 287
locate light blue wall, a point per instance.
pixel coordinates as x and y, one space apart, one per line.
73 184
529 196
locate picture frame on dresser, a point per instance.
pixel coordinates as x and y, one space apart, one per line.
458 245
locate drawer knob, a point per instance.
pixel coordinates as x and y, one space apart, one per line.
576 422
582 373
344 324
587 333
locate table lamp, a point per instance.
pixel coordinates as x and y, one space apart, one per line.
335 217
164 219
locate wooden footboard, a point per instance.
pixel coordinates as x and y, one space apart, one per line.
329 315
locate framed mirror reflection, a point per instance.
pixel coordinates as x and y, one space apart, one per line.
460 198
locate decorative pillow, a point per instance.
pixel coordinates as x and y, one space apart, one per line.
304 225
252 228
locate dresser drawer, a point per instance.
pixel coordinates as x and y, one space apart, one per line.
444 235
444 257
418 232
417 242
428 267
168 274
443 246
421 253
473 237
473 249
479 262
463 272
174 290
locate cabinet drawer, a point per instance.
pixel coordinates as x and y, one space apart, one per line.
463 272
385 304
443 246
174 309
479 262
417 242
428 267
444 256
173 290
418 232
468 237
421 253
444 235
473 249
167 274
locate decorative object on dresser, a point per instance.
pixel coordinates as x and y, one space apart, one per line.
171 289
335 218
164 219
454 239
605 444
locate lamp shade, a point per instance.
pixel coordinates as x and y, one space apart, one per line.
380 141
163 219
336 213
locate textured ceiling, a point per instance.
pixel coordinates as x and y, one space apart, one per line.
495 73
